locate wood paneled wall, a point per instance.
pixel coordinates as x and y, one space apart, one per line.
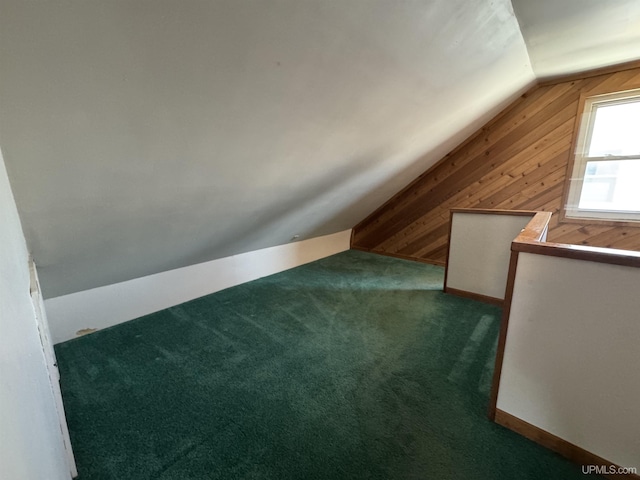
517 161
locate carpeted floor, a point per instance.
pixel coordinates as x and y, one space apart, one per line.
355 366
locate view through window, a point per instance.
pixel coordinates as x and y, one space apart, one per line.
606 175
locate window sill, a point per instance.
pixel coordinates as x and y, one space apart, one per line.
598 221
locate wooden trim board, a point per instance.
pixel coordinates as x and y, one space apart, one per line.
502 336
497 211
446 267
566 449
612 256
474 296
397 255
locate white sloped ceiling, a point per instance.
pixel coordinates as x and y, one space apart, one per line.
142 136
567 36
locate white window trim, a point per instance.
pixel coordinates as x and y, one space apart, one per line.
580 161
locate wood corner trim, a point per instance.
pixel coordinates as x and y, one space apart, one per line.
536 229
488 211
398 255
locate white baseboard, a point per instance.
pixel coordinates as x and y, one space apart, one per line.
113 304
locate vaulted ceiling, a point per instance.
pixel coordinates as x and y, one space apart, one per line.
147 135
568 36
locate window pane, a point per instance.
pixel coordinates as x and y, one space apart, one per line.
611 185
616 130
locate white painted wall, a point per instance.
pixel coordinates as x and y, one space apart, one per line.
566 36
51 363
480 249
31 445
146 135
106 306
571 358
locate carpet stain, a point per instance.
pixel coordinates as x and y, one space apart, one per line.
85 331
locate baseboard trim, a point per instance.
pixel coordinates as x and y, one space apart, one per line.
552 442
474 296
397 255
83 312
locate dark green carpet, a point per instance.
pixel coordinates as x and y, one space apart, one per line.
355 366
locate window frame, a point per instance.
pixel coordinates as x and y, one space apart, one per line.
585 120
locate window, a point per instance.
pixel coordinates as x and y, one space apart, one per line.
605 183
